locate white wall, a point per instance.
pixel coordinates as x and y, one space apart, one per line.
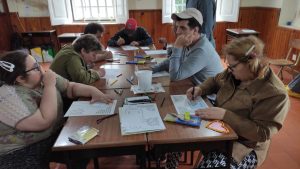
29 8
262 3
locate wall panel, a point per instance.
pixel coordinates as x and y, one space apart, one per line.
262 19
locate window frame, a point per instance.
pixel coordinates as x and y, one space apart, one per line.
225 12
90 11
61 12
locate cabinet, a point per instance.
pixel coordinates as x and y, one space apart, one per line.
236 33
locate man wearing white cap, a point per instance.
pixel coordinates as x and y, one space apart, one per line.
192 54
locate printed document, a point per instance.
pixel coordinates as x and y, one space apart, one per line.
183 104
140 118
85 108
156 52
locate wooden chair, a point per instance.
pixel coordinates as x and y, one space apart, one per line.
291 60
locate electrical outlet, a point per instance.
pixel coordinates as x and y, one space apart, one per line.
294 57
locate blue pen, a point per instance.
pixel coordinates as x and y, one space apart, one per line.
131 62
129 81
139 56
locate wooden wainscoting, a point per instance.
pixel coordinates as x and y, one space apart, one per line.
262 19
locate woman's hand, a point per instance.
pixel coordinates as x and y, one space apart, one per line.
211 113
49 78
197 92
98 96
101 72
108 55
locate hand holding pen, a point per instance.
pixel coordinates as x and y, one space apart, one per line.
193 92
120 41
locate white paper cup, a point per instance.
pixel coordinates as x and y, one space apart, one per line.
144 79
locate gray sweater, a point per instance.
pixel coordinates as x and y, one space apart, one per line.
199 61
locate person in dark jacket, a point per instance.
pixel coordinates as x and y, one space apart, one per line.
131 35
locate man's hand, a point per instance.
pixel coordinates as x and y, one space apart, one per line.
134 43
120 41
183 41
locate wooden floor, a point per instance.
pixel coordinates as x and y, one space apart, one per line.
284 152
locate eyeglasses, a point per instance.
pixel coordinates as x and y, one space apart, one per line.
231 67
36 67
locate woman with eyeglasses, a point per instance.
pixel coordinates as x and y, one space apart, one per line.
250 98
31 110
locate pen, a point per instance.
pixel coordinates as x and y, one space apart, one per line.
106 117
119 75
193 92
118 91
129 81
114 82
162 103
176 115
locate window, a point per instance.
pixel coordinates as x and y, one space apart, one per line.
93 10
227 10
290 14
171 6
67 11
179 5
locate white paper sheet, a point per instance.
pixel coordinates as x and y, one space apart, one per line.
161 74
156 52
183 104
155 88
128 47
141 118
84 108
144 47
158 60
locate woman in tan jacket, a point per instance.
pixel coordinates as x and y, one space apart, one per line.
250 98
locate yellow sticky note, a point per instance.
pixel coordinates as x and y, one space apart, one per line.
187 116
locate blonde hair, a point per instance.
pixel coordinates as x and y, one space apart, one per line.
248 50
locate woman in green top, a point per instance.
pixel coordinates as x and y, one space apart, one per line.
31 110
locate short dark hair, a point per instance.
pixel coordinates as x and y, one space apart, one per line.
93 28
18 59
88 42
192 23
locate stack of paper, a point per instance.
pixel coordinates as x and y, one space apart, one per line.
140 118
155 88
183 104
128 47
83 135
156 52
85 108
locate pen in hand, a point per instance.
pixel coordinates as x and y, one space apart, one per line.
193 92
162 103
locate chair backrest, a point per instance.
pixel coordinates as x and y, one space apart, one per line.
294 50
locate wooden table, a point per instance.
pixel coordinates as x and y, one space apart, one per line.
180 138
68 37
110 141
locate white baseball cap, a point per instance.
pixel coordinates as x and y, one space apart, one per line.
189 13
